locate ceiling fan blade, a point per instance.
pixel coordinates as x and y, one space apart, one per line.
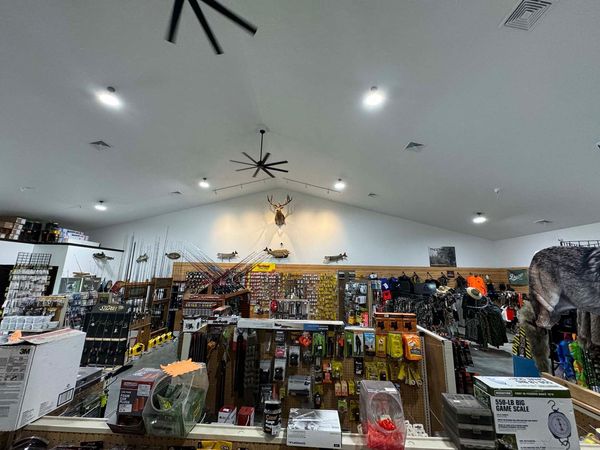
249 157
242 162
277 163
175 15
209 34
277 169
256 173
231 16
268 173
245 168
265 158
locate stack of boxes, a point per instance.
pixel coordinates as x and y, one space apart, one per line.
11 227
468 422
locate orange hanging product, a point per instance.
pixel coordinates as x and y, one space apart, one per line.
477 283
412 347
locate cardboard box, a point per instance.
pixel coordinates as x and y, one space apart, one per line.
316 428
134 393
529 413
192 325
38 375
245 417
227 414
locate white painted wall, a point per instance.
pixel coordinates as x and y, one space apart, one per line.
10 249
519 251
68 258
315 228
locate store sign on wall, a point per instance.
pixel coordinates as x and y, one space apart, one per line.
518 277
264 267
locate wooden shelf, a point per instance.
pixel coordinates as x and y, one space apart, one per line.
162 301
159 331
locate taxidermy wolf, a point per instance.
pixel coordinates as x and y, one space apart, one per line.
564 278
560 279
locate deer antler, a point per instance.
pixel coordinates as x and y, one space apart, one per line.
270 200
287 200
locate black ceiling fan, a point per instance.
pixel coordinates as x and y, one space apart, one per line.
176 15
261 164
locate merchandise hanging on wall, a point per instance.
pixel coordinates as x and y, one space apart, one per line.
442 257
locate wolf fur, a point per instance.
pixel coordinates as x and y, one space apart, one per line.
537 337
562 279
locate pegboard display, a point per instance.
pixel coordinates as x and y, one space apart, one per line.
299 285
326 308
334 377
265 286
318 289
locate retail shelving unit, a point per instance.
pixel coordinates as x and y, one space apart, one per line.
159 306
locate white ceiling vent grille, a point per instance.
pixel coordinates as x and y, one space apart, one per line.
527 13
100 145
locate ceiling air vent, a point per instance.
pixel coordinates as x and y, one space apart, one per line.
414 146
527 13
100 145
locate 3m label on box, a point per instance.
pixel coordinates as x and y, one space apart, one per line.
65 397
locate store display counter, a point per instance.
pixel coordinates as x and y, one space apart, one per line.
65 429
68 429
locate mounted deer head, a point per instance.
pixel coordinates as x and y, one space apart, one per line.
277 208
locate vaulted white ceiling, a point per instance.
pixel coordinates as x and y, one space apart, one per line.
496 107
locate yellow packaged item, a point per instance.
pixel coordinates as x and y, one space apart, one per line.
351 387
216 445
394 345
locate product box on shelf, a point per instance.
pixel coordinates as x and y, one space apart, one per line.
227 414
135 390
529 413
245 416
316 428
192 325
39 374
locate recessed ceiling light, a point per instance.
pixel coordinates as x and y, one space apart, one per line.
543 221
100 206
109 98
479 218
372 194
339 184
204 184
26 188
374 98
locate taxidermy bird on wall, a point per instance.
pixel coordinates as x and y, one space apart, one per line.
278 210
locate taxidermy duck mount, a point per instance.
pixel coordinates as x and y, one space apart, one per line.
278 253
